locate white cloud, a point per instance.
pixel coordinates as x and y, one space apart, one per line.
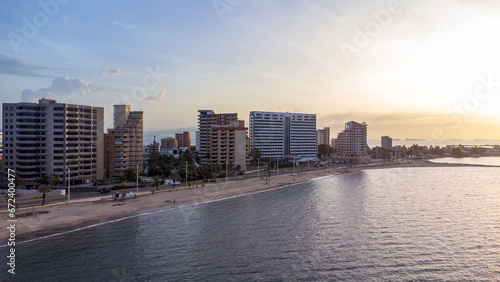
124 25
112 72
160 96
61 86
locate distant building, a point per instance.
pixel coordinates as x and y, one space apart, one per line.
150 149
228 143
334 143
207 119
168 143
183 139
386 142
124 141
278 134
323 136
47 138
352 141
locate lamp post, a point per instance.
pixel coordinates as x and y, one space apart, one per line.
186 174
226 170
258 167
69 181
137 177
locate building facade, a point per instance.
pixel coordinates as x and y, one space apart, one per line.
352 141
183 139
50 138
206 120
124 141
278 134
386 142
228 144
168 143
323 136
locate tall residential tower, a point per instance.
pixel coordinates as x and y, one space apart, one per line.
277 135
124 141
47 138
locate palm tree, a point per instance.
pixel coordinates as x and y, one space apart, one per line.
54 180
44 189
157 180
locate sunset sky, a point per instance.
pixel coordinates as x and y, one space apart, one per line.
410 69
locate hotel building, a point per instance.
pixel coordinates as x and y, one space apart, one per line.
48 138
124 141
278 134
352 140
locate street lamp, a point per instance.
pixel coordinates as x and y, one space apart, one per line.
69 181
137 177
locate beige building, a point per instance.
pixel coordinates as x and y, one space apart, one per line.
352 141
124 141
47 138
228 143
168 143
323 136
206 120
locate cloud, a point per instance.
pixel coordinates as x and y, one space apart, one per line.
160 96
60 87
112 72
124 25
13 66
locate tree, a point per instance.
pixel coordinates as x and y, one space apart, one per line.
157 179
254 156
44 189
130 175
174 176
324 150
54 180
267 176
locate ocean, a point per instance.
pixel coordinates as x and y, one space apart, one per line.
388 224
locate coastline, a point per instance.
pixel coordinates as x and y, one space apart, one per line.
57 219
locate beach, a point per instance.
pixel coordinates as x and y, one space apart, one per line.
37 222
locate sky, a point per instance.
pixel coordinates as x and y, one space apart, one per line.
409 69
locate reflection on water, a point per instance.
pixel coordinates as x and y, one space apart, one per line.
406 223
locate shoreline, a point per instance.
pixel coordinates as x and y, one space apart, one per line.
58 219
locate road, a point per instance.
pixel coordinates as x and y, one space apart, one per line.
88 194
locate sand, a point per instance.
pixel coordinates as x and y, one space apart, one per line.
49 220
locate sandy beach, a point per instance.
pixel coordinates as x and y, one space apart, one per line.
48 220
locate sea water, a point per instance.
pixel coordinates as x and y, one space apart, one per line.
388 224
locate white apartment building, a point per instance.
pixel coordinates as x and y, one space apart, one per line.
279 134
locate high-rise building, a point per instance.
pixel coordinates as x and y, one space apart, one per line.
50 138
124 141
334 143
228 143
278 134
207 119
323 136
352 140
1 145
386 142
168 143
183 139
